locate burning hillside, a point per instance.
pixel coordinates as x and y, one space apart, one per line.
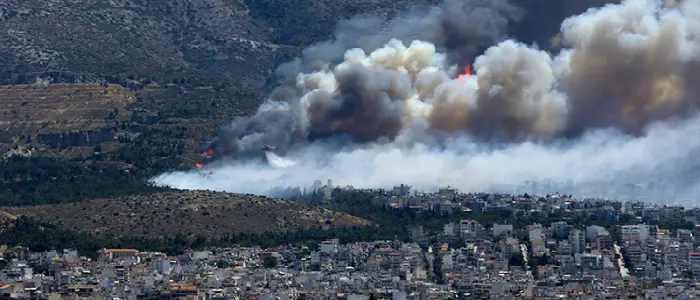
622 81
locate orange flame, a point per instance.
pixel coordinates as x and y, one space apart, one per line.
199 166
208 152
467 72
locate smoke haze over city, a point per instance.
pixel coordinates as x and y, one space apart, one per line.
461 94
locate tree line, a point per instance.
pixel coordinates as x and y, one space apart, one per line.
46 180
389 224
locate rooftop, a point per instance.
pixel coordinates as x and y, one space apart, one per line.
117 250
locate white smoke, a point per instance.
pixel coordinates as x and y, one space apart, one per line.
627 82
279 162
600 163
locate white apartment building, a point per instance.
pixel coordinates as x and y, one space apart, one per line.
635 232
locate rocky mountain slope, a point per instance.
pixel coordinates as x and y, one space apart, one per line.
186 212
143 84
240 39
187 66
52 114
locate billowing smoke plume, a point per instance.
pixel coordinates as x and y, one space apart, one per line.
631 64
460 28
615 105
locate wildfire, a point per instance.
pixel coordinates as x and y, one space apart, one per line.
467 72
208 152
199 166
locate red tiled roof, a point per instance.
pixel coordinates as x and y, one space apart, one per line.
189 288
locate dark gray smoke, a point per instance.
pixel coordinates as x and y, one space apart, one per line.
464 29
598 79
461 28
613 108
274 124
367 105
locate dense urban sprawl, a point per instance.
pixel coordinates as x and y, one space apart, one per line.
491 246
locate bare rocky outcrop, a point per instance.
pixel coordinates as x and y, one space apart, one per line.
58 116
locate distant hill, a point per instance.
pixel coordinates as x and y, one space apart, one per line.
213 214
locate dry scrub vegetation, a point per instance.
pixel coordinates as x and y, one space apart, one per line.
187 212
